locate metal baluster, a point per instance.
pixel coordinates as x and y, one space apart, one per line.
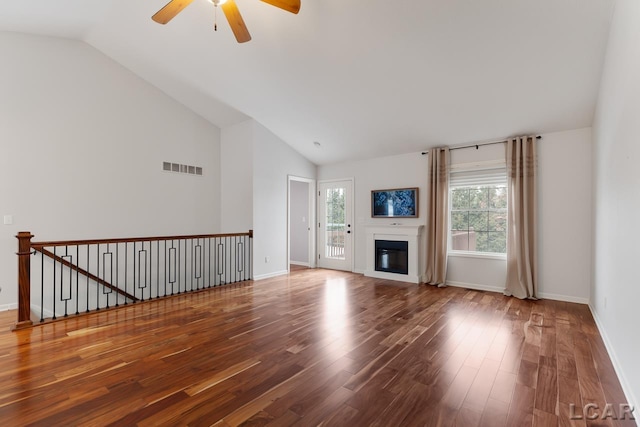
176 267
158 268
66 254
126 270
87 281
42 287
133 254
104 273
78 279
117 284
54 283
98 274
209 261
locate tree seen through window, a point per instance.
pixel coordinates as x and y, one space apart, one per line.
479 219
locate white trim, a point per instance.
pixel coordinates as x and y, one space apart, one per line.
409 278
484 255
564 298
7 307
359 271
269 275
487 164
401 233
624 383
312 217
354 230
303 264
500 290
475 286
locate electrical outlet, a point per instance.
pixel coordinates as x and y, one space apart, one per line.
266 260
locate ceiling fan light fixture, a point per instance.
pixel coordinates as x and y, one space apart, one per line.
230 10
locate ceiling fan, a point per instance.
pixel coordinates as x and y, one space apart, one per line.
230 9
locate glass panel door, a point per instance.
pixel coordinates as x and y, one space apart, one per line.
335 227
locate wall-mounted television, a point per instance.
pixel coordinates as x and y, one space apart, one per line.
394 203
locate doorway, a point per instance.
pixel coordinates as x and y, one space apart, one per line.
301 217
335 219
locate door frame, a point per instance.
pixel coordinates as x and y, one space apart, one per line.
311 205
353 215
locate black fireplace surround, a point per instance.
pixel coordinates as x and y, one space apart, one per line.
392 256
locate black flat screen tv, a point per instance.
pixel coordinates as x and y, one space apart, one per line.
394 203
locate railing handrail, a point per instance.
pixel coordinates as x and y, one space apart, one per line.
26 248
37 245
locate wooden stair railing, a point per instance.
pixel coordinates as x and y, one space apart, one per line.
179 263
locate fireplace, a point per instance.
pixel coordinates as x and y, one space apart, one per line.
394 252
392 256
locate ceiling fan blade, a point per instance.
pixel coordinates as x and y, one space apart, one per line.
292 6
170 10
236 22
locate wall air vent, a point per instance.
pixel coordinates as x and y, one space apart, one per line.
180 168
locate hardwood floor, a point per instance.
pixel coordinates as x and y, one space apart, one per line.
316 347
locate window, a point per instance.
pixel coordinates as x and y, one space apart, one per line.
478 211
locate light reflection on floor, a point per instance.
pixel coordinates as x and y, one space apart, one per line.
336 322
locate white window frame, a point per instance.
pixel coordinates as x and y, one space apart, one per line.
481 174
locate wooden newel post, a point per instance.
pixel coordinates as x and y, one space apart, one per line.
24 280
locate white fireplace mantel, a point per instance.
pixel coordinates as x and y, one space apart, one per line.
403 233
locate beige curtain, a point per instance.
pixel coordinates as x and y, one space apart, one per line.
522 262
437 216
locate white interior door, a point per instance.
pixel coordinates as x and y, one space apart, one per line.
335 224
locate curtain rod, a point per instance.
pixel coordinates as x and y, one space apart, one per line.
504 141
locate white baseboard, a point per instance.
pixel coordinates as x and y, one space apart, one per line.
475 286
498 289
564 298
302 264
628 392
268 275
358 271
407 278
7 307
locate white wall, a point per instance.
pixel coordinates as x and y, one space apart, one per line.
255 169
407 170
299 222
83 141
273 161
615 289
564 215
564 220
236 204
564 211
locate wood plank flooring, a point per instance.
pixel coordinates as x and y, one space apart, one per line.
316 347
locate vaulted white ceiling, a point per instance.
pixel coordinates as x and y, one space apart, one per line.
365 78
